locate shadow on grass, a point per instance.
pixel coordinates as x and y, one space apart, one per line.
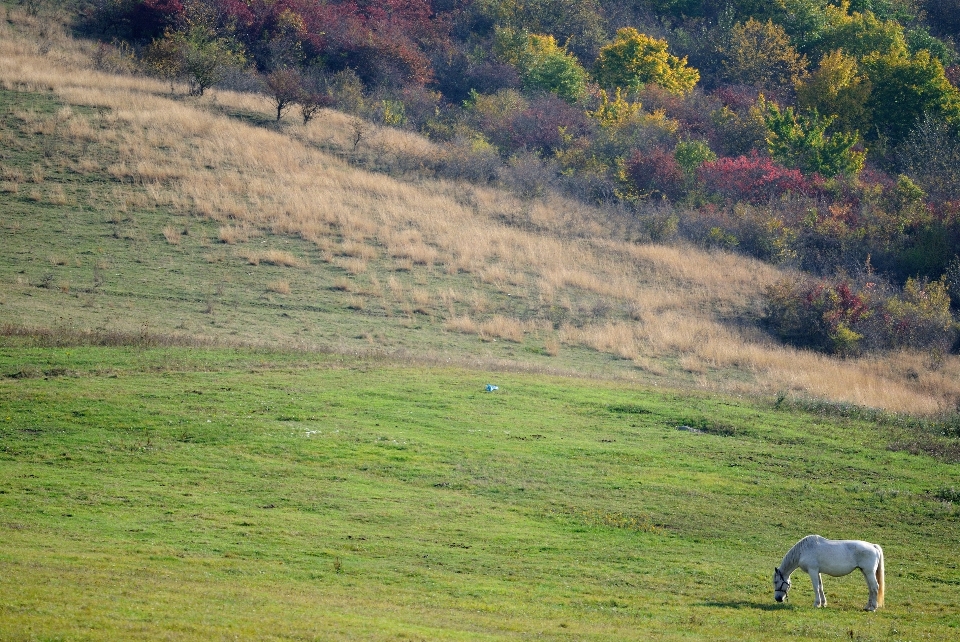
740 604
250 117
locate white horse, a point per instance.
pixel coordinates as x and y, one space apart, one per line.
815 555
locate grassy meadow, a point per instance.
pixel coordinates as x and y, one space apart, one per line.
182 494
242 396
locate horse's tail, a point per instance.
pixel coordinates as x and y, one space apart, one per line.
880 578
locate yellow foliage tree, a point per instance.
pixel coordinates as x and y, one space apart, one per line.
634 60
760 54
837 88
616 112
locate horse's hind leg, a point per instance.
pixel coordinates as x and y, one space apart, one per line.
870 575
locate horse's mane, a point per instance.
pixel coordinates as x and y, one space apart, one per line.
790 560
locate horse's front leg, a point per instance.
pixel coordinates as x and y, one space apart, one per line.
819 598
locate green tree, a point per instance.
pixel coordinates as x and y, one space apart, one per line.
634 60
800 140
691 154
920 38
542 63
552 68
761 54
206 61
837 88
905 87
806 21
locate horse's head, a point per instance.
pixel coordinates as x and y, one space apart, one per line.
781 584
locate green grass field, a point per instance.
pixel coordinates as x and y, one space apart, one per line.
208 494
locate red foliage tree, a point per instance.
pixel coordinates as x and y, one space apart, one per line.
755 179
548 125
656 173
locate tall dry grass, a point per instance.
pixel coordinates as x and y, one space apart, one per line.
661 307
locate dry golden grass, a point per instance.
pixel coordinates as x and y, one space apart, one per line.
353 266
271 257
358 250
12 174
650 304
464 325
172 234
233 234
280 286
56 195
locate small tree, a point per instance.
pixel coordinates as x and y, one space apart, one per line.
164 57
800 140
206 58
690 155
285 88
634 60
311 102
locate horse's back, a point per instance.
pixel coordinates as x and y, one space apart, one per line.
839 557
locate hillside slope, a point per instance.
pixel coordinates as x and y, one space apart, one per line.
128 208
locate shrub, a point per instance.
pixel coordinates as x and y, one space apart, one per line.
470 158
919 317
817 314
737 132
546 126
691 154
542 64
800 140
844 317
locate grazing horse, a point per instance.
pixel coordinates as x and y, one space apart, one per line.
815 555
